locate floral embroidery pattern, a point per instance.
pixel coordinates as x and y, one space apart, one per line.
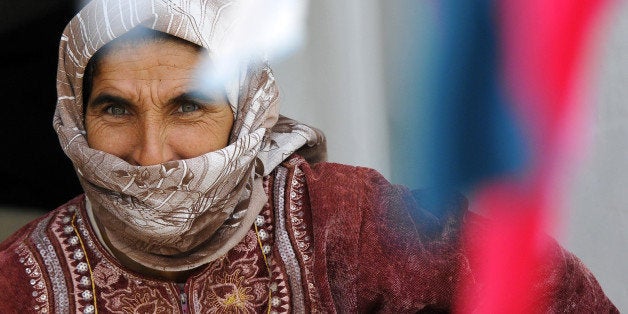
294 239
237 283
137 298
296 219
284 244
280 302
124 293
117 291
76 257
39 293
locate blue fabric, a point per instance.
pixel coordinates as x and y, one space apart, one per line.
473 135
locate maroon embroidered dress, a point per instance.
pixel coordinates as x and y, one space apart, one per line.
331 238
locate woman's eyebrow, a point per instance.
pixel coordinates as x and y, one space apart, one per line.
196 96
105 98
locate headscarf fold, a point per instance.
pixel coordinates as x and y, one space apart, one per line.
180 214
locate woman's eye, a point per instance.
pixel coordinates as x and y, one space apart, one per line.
189 107
116 110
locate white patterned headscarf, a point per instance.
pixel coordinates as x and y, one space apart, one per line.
180 214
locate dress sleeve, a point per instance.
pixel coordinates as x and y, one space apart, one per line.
414 261
411 260
15 291
563 283
383 248
369 254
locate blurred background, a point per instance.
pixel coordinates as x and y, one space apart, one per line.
362 77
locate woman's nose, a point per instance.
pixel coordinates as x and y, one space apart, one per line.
152 147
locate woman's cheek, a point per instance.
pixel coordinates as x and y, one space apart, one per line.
111 139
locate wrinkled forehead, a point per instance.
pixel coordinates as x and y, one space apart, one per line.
127 45
141 35
203 23
153 43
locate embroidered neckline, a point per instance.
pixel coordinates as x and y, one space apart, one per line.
265 249
79 255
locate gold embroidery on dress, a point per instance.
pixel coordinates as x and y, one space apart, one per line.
86 294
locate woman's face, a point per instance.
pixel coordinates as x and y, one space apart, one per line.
142 107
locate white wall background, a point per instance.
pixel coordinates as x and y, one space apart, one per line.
341 82
335 81
597 229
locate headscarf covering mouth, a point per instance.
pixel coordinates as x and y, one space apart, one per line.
185 213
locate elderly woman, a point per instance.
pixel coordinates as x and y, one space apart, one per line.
199 201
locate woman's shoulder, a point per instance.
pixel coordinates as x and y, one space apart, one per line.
335 175
22 235
339 194
24 258
365 194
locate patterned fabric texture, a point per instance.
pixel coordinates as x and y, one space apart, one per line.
155 214
331 239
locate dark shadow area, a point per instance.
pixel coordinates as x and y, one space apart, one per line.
34 171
